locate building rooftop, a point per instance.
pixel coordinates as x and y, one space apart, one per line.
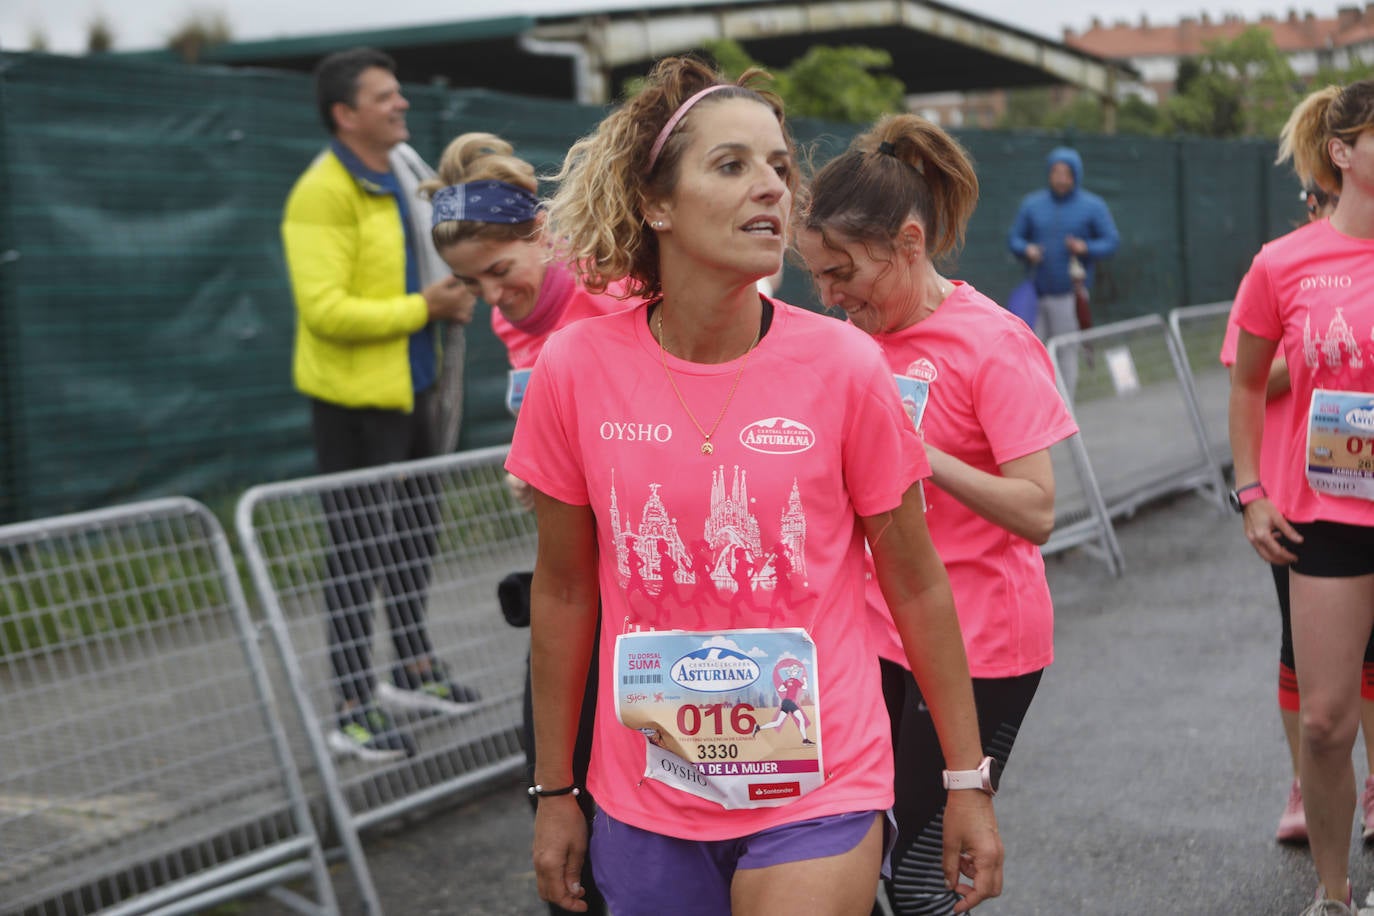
1297 31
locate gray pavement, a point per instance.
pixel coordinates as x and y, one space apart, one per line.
1148 777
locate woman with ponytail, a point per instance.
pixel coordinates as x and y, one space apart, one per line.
980 387
1311 292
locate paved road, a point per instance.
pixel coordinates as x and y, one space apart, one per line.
1148 777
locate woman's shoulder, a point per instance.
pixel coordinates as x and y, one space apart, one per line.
810 325
1300 244
831 347
601 319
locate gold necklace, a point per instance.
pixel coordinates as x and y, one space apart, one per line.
706 446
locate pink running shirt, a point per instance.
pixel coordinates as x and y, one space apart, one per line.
763 532
523 348
992 399
1273 446
1313 290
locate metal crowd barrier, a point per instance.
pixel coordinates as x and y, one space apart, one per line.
424 543
143 768
1080 515
1202 329
1140 426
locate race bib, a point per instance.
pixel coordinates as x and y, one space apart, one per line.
732 716
915 392
1340 443
515 389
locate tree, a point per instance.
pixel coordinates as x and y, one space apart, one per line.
100 37
1244 87
1035 109
200 31
837 84
38 40
1027 109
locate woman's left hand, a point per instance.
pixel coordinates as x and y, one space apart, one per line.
973 848
1264 526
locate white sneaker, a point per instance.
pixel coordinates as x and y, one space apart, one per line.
1322 906
1325 907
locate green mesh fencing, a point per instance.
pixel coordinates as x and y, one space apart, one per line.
146 320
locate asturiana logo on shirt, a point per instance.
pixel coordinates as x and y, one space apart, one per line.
714 670
1361 417
777 436
922 370
1325 281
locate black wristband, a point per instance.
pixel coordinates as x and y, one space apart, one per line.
538 791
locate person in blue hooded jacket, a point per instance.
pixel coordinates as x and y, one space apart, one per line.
1055 227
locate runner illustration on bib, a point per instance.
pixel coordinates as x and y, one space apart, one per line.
710 714
790 677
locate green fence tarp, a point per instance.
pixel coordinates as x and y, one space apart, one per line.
146 319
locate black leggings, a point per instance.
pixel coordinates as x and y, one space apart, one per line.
381 534
917 885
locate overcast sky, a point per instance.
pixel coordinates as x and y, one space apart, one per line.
141 24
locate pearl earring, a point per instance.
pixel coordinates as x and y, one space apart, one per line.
658 224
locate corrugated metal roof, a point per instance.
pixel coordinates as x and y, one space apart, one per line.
318 45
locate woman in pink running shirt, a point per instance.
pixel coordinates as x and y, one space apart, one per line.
1312 293
489 229
980 387
1292 827
725 431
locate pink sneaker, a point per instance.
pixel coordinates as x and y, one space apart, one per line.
1367 808
1293 821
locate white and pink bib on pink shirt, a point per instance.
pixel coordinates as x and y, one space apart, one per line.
763 532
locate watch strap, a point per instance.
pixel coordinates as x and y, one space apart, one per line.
963 779
982 778
1244 496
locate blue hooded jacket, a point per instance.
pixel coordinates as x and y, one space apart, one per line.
1045 218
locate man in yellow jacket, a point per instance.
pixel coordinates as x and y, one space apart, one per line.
368 289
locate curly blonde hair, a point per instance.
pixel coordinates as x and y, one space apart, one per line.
481 157
903 166
1342 113
596 215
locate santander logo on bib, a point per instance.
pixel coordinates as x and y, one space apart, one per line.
777 436
923 370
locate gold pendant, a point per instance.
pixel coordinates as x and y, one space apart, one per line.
706 448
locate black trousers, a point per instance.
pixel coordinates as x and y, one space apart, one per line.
917 885
381 536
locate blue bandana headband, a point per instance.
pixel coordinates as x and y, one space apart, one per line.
484 202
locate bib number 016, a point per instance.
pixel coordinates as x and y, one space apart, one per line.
691 718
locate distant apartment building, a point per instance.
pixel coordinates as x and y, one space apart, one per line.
1309 41
1154 50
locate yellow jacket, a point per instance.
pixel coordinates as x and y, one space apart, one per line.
345 252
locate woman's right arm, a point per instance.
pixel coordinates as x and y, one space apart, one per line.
563 611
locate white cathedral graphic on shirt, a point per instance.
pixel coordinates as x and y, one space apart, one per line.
731 551
1340 338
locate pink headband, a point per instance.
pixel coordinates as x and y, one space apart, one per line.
673 122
